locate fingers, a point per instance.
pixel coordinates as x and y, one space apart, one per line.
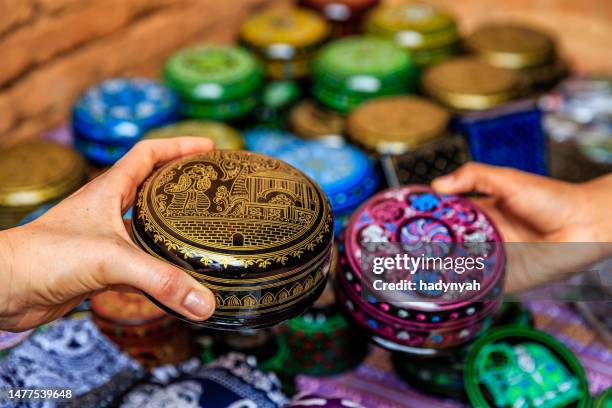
495 181
166 283
139 162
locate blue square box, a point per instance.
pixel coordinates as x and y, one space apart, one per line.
510 135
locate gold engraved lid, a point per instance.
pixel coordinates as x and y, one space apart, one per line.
35 172
513 46
224 136
254 229
312 121
467 83
396 124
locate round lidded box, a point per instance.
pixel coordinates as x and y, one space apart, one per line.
421 222
253 229
118 111
396 124
320 341
216 82
518 366
143 330
33 174
345 16
311 121
351 70
467 83
529 51
344 172
285 38
428 33
224 136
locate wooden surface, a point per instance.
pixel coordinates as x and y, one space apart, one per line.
53 49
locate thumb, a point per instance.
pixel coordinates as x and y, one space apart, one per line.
498 182
167 284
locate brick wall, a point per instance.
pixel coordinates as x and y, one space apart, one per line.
50 50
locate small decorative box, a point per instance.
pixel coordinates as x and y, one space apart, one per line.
36 173
270 142
426 32
286 39
253 229
420 221
409 135
516 366
320 341
276 101
224 136
529 51
268 351
110 117
344 172
500 130
309 120
352 70
214 82
441 375
345 16
143 330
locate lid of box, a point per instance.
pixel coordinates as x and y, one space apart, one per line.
225 210
283 33
344 172
470 84
414 25
310 120
340 10
224 136
519 366
34 172
124 308
213 73
363 64
269 141
426 223
396 124
280 94
120 110
511 45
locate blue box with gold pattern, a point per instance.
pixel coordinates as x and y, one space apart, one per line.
110 117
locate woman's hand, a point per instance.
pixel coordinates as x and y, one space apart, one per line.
540 213
81 245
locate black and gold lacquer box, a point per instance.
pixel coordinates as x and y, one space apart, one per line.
253 229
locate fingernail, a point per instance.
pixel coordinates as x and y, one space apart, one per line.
198 303
443 182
